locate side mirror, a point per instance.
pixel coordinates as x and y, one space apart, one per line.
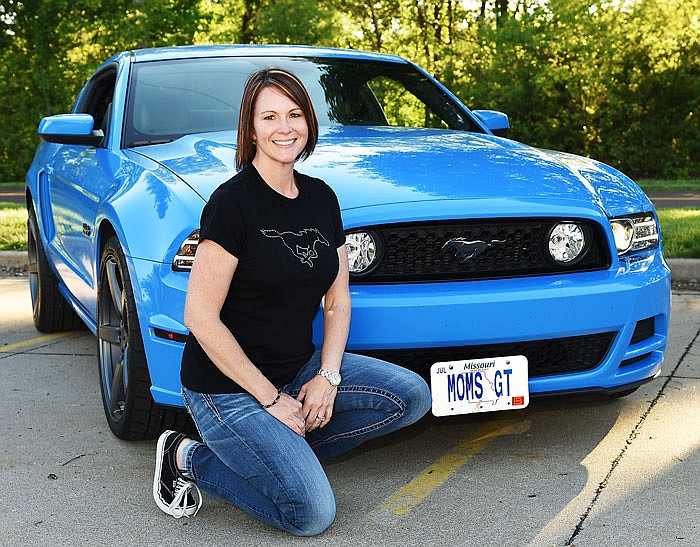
70 129
496 122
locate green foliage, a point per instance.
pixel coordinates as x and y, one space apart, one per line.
617 83
50 48
295 22
614 80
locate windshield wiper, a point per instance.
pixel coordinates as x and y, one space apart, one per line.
151 141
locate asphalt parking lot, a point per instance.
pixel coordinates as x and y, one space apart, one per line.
585 471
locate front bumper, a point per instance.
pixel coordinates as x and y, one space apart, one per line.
425 317
441 315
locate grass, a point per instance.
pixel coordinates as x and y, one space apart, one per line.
680 229
13 227
652 186
681 232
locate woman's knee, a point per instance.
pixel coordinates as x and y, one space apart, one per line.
314 518
417 396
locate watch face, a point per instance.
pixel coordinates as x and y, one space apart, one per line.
332 377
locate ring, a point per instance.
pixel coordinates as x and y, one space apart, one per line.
321 418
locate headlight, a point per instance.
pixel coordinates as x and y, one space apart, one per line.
362 251
566 242
185 254
635 233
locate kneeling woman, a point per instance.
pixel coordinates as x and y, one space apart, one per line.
268 405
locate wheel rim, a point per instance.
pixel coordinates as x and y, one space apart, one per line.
33 268
113 335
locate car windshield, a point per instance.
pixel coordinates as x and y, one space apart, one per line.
169 99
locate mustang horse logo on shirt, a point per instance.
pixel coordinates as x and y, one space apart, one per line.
302 243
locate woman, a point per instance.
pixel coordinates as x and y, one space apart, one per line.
266 403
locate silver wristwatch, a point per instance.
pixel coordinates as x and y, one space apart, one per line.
332 377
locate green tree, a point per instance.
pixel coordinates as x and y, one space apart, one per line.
296 22
649 124
50 47
619 81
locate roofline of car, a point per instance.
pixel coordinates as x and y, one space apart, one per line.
243 50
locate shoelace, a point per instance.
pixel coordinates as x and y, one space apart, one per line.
179 504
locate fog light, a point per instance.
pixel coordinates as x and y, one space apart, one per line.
362 251
566 242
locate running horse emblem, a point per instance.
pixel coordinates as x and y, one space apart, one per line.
302 244
466 250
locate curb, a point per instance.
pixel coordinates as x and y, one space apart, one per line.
13 259
686 270
683 270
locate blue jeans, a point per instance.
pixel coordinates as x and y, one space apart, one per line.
255 461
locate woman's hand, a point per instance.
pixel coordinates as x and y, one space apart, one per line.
289 411
317 397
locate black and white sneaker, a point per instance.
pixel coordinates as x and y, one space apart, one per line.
174 493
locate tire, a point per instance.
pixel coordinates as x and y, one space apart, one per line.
124 379
51 312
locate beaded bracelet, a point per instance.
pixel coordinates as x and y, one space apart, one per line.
279 392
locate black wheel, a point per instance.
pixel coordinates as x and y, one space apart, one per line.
124 379
50 310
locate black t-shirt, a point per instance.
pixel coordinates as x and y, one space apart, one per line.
287 260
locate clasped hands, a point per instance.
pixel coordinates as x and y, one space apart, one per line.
312 408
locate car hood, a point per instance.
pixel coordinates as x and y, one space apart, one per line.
385 165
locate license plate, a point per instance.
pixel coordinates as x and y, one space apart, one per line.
479 385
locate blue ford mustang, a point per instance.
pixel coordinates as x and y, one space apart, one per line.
463 244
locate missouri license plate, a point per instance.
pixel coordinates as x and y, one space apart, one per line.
479 385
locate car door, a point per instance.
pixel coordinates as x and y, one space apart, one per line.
79 178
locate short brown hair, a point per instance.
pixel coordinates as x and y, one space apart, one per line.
291 87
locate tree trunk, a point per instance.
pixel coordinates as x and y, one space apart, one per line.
250 9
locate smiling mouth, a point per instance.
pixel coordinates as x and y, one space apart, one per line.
285 143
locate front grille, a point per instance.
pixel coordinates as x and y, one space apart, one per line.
545 357
643 330
501 248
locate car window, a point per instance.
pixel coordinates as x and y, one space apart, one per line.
401 107
96 100
169 99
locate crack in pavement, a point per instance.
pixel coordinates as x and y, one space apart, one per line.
630 439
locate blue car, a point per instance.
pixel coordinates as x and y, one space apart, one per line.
466 248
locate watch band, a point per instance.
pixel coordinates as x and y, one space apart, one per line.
333 377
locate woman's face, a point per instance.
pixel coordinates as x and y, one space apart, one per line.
279 128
